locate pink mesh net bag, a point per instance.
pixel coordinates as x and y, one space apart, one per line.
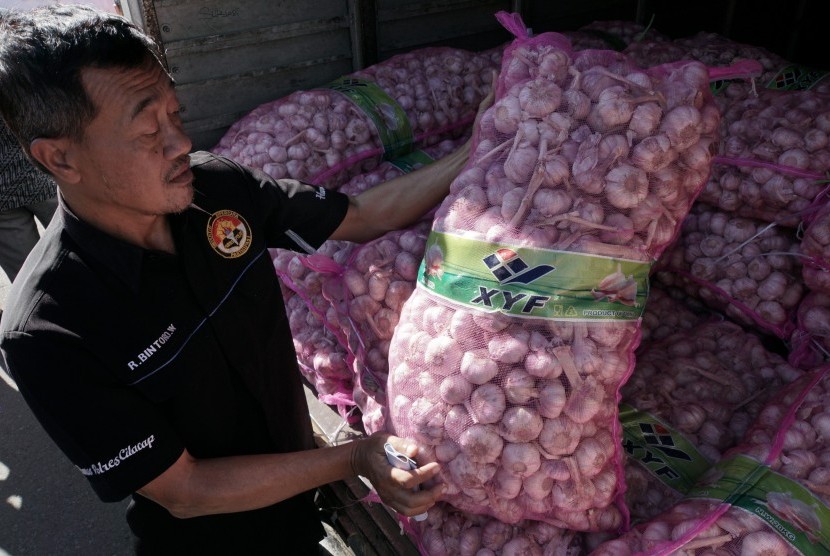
810 341
330 134
774 155
355 291
815 244
691 397
768 495
747 268
508 357
448 531
670 310
321 359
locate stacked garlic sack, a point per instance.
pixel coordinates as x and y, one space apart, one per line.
767 496
774 155
691 397
343 129
507 361
815 245
450 532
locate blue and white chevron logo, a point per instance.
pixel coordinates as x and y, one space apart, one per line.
509 268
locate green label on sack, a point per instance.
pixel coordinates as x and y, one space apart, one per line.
797 78
792 511
718 86
412 161
389 118
538 283
665 452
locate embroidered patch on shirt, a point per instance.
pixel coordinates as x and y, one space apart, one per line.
229 234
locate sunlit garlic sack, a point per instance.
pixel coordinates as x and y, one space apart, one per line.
448 531
321 358
329 134
357 290
766 496
691 397
377 277
507 360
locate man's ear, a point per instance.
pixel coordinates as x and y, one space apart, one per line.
53 154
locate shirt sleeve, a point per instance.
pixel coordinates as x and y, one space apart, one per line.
112 434
295 215
307 216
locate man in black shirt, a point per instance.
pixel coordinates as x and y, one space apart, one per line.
146 330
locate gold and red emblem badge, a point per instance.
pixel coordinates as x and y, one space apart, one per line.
229 234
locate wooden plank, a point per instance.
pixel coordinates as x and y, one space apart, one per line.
328 424
386 531
233 96
332 499
187 19
198 62
230 56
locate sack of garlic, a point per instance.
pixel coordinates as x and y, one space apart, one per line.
448 531
773 157
810 341
357 291
768 495
745 267
691 397
507 360
815 245
670 310
328 135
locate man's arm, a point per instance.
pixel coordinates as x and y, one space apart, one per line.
401 201
194 487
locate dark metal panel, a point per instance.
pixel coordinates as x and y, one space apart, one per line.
364 32
409 24
573 14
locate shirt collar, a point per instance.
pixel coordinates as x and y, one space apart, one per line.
121 258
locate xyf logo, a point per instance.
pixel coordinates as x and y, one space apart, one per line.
660 437
509 268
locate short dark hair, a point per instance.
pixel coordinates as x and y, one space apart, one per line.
42 53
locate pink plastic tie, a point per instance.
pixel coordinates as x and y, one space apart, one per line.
742 68
513 23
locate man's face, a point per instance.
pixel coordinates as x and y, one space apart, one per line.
134 154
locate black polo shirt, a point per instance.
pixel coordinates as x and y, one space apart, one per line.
128 356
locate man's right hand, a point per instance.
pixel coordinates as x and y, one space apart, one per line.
396 487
